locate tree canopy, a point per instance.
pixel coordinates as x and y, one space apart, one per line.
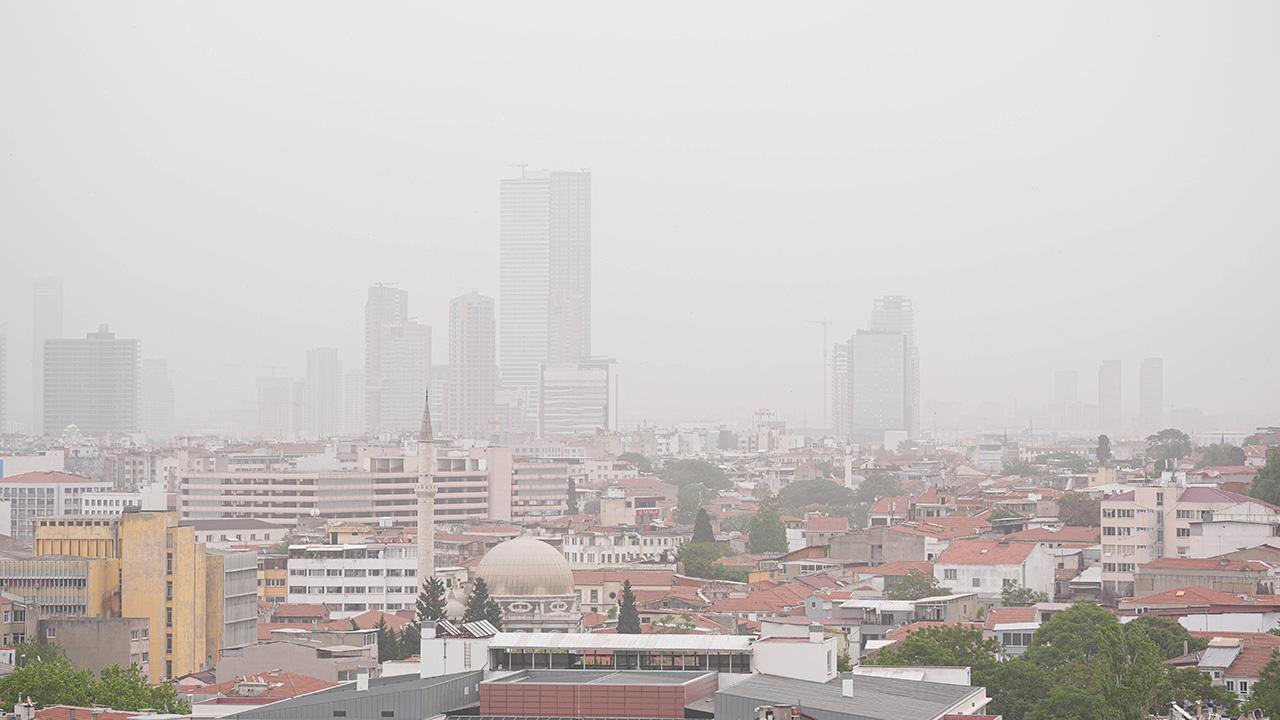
684 472
641 463
1169 444
480 606
1104 450
52 680
1079 510
1266 691
1220 454
430 603
689 500
699 560
628 614
913 586
1018 596
766 532
819 491
1266 484
702 530
944 645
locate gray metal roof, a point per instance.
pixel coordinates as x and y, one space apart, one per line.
404 696
874 698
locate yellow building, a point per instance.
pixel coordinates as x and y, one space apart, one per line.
273 577
143 565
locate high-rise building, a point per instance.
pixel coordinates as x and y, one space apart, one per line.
544 276
573 398
405 370
322 404
156 402
92 383
473 371
353 397
1151 395
4 377
386 306
840 391
1066 387
275 407
1110 411
46 325
879 390
896 314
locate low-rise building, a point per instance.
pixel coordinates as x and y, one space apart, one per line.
987 567
353 578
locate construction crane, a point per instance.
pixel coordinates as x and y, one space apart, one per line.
826 324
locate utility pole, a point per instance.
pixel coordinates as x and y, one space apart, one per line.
826 374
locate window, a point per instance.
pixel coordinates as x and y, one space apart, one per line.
50 632
977 582
1008 582
389 713
168 617
1184 532
1184 514
339 713
168 643
1244 687
949 574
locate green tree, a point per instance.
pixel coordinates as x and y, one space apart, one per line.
1220 454
1266 690
1188 686
1072 634
1079 510
641 463
478 602
702 530
1104 450
876 486
127 689
430 604
628 614
1016 595
1015 686
684 472
1170 637
1266 484
689 500
942 645
698 560
1066 702
913 586
843 663
1170 444
410 640
388 641
1018 467
50 681
766 533
1002 513
493 613
810 492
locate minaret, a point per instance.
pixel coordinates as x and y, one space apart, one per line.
426 494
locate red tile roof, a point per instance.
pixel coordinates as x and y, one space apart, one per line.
1190 596
368 620
896 504
1002 615
638 578
40 476
900 568
1215 495
307 610
280 686
827 524
985 552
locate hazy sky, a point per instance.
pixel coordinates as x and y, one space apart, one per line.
1053 183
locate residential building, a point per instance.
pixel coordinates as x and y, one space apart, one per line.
275 407
573 398
385 307
92 383
987 567
96 643
332 655
621 547
1110 412
273 577
35 495
17 620
354 578
46 324
840 391
472 370
228 533
879 366
1236 577
322 404
539 488
1151 396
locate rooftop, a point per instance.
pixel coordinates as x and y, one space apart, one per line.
874 698
602 677
985 552
593 641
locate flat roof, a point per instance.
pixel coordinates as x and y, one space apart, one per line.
592 641
602 677
874 698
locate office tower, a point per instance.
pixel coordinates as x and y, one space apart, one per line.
879 368
1110 417
473 373
156 403
1066 387
46 325
1151 395
573 398
896 314
353 397
403 373
275 407
322 405
840 391
386 306
91 383
544 276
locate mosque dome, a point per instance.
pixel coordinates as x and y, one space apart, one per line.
526 567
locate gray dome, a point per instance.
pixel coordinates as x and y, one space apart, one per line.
526 567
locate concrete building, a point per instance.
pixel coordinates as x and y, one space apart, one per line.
544 276
987 567
539 488
156 401
92 383
879 363
354 578
17 620
275 408
46 324
600 694
473 370
1110 410
1151 396
97 643
322 405
332 655
473 484
224 534
840 422
35 495
621 547
4 377
405 353
896 314
385 307
353 399
855 697
574 398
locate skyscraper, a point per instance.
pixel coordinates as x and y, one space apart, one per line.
156 402
46 325
896 314
1066 387
840 391
385 306
544 276
879 371
473 371
1151 395
404 370
4 377
574 398
1110 412
322 405
92 383
275 407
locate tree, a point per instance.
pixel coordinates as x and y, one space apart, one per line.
766 533
913 586
641 463
689 499
1171 639
684 472
478 602
493 613
628 615
820 492
1017 467
1072 634
1079 510
430 605
843 663
702 531
388 641
571 503
1002 513
943 645
1220 454
699 560
1266 484
410 640
1104 450
1266 690
1170 444
127 689
50 679
1188 686
1015 686
1016 595
876 486
1067 702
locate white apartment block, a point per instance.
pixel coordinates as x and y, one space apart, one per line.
591 549
987 567
539 488
35 495
608 471
1170 521
352 579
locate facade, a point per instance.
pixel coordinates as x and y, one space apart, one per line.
353 399
600 694
1151 396
17 621
385 307
322 404
855 697
92 383
840 391
222 534
473 484
156 402
99 642
473 369
354 578
1110 412
573 398
539 488
510 650
46 325
896 314
35 495
332 655
405 352
4 377
618 548
878 385
987 567
275 407
544 276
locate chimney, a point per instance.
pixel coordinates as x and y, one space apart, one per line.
815 632
846 684
362 679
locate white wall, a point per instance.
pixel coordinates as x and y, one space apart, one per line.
444 656
798 660
1230 622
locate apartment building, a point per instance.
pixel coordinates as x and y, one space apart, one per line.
354 578
1152 522
34 495
617 548
987 567
539 487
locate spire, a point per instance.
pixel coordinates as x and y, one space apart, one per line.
425 435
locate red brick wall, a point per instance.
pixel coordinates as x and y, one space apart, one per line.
652 701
